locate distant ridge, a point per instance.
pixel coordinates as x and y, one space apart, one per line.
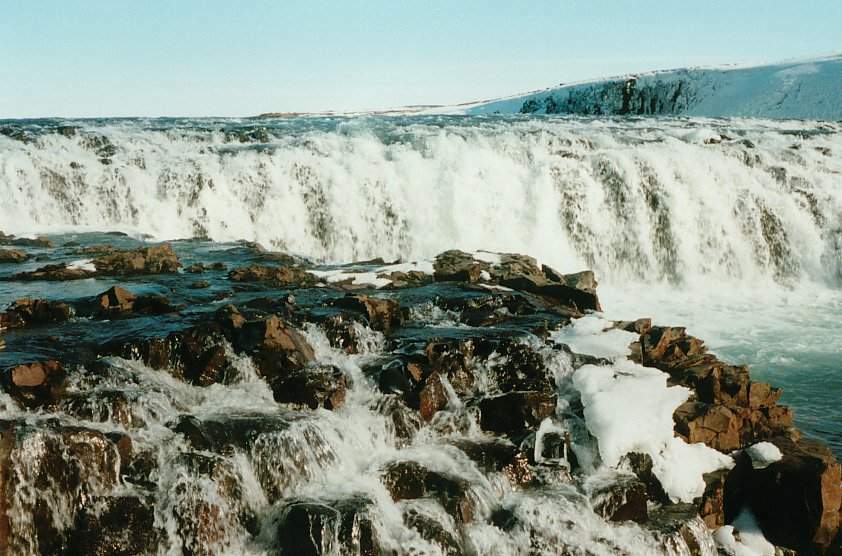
803 89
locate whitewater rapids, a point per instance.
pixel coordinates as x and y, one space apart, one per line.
666 199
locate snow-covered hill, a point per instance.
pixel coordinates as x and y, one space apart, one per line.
807 89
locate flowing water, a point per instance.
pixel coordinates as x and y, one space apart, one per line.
732 228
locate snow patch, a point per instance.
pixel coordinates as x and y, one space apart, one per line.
763 454
629 408
743 537
595 335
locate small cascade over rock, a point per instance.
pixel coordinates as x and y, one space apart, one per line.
476 403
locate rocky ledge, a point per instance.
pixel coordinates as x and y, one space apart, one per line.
463 355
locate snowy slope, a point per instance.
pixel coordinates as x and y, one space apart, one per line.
808 89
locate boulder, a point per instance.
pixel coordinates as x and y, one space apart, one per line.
458 266
516 412
157 259
497 456
273 276
621 500
35 385
119 302
116 526
434 532
39 241
715 425
13 256
408 480
796 500
55 273
314 386
31 312
65 467
312 528
381 314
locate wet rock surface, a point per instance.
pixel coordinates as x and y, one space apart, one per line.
277 409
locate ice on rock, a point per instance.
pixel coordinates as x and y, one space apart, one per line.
763 454
743 538
629 408
592 334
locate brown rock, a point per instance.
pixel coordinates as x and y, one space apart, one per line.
12 256
54 273
458 266
516 412
37 384
796 500
30 312
275 276
407 480
715 425
433 397
382 314
622 500
157 259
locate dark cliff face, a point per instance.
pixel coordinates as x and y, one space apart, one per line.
633 96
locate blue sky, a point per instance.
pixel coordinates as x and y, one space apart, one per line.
209 57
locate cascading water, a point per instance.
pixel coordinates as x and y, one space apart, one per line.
686 220
672 199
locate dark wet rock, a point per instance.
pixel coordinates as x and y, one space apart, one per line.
408 480
119 302
70 465
434 532
408 279
403 422
313 528
207 520
314 386
515 412
641 465
432 397
97 250
341 333
13 256
498 456
458 266
39 241
157 259
395 376
621 500
796 500
274 343
197 268
488 310
55 273
115 406
200 284
679 529
380 314
275 276
33 312
520 367
712 502
116 526
35 385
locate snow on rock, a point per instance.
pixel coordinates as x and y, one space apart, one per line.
629 408
372 277
743 538
594 335
763 454
806 89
